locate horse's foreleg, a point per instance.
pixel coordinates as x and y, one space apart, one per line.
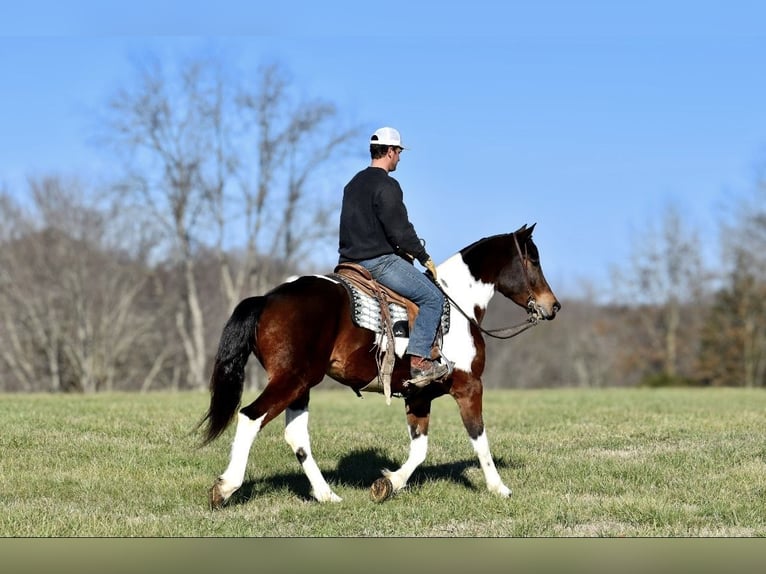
469 400
234 475
297 436
418 416
494 482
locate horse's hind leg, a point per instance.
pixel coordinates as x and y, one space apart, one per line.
250 420
418 417
233 476
297 436
273 400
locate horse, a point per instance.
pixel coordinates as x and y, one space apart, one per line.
302 331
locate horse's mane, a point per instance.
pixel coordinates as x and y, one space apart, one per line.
523 234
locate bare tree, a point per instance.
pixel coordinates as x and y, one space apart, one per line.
284 217
662 283
166 133
221 164
733 350
68 295
30 341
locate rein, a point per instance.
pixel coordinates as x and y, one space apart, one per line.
504 333
513 330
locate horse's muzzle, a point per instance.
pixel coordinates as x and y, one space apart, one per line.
544 312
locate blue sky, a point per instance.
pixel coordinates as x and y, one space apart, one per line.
589 118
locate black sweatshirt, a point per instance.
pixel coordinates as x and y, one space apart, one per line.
374 220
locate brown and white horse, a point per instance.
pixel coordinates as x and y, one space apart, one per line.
303 330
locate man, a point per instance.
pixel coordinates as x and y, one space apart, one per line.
375 231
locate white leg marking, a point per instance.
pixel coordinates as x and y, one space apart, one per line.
297 436
418 450
234 475
494 482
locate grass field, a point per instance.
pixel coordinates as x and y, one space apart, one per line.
635 463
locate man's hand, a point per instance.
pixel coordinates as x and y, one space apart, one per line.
431 268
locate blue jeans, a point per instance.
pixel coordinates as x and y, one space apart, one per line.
400 276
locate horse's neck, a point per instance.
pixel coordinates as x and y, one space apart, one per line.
467 291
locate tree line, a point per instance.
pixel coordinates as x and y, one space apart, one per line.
222 191
671 320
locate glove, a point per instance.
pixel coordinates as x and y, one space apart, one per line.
431 268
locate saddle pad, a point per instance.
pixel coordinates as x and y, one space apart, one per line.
365 309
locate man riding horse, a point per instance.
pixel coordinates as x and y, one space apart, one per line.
303 330
375 232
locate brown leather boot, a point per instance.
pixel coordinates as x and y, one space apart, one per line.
423 370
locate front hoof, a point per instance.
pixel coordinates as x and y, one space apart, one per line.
216 497
504 491
381 490
328 496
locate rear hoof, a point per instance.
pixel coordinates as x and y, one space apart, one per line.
216 497
381 490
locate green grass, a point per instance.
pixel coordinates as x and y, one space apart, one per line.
667 462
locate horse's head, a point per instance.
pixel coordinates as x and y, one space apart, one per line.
521 279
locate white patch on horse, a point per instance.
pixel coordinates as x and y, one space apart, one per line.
292 278
297 436
330 279
400 346
468 292
400 343
418 450
234 475
494 482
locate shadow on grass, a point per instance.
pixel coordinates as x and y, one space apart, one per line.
359 469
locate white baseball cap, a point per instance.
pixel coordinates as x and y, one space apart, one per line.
387 136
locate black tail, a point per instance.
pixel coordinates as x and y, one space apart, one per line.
228 378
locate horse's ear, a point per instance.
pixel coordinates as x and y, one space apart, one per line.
525 229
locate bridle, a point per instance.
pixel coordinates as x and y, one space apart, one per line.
513 330
527 283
